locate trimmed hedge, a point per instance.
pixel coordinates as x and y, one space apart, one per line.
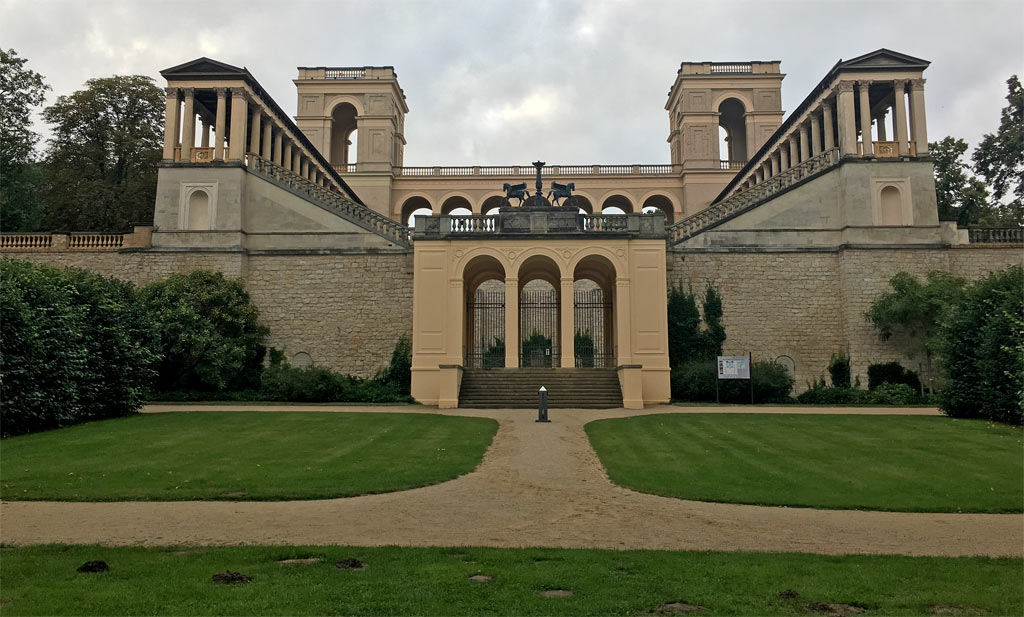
892 372
74 346
695 381
982 346
819 393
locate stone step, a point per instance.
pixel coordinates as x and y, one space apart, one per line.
518 388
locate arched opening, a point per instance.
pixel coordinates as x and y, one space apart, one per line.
199 210
413 207
617 204
731 117
539 313
343 129
456 205
593 313
659 203
484 284
891 206
583 204
491 205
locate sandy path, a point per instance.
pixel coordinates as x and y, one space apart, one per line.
538 485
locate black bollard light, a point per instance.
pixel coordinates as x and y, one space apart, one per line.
542 405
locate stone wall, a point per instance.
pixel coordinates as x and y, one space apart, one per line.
808 305
345 310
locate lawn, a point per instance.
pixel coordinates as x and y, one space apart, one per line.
897 463
241 456
435 581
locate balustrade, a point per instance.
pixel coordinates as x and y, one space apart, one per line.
514 171
16 241
995 235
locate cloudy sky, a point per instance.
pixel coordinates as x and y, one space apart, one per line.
568 81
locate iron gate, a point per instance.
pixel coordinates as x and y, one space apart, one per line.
538 329
593 343
486 312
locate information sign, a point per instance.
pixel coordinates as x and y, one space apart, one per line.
733 367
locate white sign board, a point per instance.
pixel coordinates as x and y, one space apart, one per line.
733 367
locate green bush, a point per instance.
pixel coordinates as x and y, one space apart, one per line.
583 346
839 370
399 371
74 346
208 332
982 350
494 355
695 381
892 372
892 394
820 393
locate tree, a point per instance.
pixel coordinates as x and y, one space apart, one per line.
999 158
914 311
209 333
101 162
713 336
961 197
683 326
21 90
981 350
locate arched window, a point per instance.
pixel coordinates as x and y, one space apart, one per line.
732 118
343 134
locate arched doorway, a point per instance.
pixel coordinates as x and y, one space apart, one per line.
539 313
732 118
343 131
484 284
594 313
617 204
456 205
413 207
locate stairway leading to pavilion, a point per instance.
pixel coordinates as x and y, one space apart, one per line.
585 388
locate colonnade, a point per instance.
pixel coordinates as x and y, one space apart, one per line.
239 123
841 114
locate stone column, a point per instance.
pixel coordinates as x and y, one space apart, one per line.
278 141
748 125
847 120
815 135
188 130
239 112
511 322
865 118
255 131
304 167
296 161
456 325
204 132
829 125
784 158
880 122
286 158
919 129
172 122
794 150
900 105
568 324
775 164
623 323
266 143
220 124
805 148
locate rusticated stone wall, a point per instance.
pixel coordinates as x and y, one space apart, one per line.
808 305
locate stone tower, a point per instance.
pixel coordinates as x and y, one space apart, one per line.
743 99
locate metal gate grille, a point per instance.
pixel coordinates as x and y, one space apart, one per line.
593 344
486 312
538 329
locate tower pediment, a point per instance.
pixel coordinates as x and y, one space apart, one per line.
203 66
883 59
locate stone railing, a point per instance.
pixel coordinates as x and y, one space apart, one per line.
995 235
334 202
751 197
732 67
345 169
605 222
473 224
524 222
731 164
529 171
345 73
140 238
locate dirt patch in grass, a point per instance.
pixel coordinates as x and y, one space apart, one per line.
955 610
839 610
788 593
679 608
556 593
231 578
93 566
288 562
350 563
481 578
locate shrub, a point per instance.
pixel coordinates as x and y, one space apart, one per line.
583 346
74 346
399 373
839 370
892 394
892 372
980 343
695 381
208 332
713 336
319 385
537 351
683 327
820 393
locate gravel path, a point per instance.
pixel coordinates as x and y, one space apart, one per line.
538 485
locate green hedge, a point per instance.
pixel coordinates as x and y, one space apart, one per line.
982 346
819 393
892 372
74 346
695 381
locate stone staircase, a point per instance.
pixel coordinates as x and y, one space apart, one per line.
587 388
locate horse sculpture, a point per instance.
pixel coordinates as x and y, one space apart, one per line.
517 191
561 190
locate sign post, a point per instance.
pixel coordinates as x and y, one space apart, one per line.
734 367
